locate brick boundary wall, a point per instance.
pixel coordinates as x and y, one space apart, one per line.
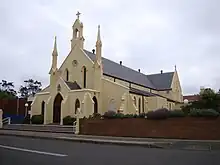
13 106
180 128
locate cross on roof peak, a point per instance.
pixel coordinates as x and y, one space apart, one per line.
78 14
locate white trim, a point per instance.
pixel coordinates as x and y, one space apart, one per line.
43 93
84 90
103 78
87 55
66 58
64 83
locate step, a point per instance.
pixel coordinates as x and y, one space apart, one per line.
40 128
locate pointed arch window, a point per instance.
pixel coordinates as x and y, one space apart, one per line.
84 76
67 75
76 33
42 108
135 100
77 105
139 105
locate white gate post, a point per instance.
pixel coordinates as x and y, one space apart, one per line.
1 116
77 121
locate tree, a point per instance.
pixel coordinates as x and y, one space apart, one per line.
30 88
7 90
209 99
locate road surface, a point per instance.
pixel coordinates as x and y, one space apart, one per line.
34 151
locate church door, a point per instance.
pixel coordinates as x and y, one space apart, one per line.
95 104
57 108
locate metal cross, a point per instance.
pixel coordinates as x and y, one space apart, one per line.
78 14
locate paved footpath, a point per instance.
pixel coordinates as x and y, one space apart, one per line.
144 142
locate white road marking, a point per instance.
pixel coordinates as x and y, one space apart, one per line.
33 151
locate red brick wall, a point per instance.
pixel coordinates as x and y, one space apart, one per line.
185 128
13 106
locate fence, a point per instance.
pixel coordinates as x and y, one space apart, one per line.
14 108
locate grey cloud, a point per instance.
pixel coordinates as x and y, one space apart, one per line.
183 33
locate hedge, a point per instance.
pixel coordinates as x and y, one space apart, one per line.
158 114
203 113
37 119
68 120
176 113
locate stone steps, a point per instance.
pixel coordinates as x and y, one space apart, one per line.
40 128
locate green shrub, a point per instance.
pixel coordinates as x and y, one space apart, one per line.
119 115
68 120
129 116
176 113
158 114
186 109
37 119
109 114
203 113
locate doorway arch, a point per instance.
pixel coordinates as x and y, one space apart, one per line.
57 108
95 104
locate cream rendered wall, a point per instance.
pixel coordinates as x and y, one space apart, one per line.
176 88
140 87
108 77
124 83
166 93
76 72
79 94
136 101
36 104
156 102
112 90
46 89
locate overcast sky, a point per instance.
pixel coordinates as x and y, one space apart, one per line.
152 35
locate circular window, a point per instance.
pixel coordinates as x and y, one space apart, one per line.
75 62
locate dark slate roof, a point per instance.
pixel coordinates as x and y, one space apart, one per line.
72 85
162 80
141 92
114 69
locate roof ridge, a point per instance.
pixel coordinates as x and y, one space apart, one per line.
119 64
159 73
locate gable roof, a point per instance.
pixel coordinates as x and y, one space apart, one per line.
114 69
161 80
72 85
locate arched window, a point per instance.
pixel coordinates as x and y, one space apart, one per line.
76 35
135 100
67 75
95 105
42 108
77 105
84 77
139 105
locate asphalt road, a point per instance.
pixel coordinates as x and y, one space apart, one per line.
19 150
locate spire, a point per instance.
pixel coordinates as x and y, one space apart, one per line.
98 47
55 47
54 57
98 42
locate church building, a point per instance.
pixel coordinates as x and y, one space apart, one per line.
87 83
